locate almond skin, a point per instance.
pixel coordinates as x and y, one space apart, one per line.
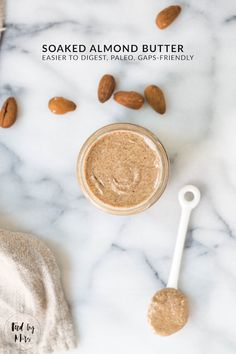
167 16
60 105
8 113
130 99
155 98
106 88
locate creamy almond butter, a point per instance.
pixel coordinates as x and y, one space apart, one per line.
168 311
122 167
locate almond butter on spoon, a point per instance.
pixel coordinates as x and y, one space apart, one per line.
168 311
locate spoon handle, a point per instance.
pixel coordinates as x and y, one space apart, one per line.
189 197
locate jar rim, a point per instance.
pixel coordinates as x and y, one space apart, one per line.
133 128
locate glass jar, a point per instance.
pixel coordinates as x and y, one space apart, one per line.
123 168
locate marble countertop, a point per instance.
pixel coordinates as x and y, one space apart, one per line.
111 266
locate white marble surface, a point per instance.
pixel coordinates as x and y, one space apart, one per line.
111 266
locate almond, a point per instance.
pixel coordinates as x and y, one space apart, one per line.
130 99
155 98
167 16
8 113
60 105
106 88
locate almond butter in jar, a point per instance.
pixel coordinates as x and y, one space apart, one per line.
123 168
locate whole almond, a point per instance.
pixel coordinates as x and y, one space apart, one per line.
155 98
8 113
106 88
130 99
60 105
167 16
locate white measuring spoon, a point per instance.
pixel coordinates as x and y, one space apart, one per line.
168 311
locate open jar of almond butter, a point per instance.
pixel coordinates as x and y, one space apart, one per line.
123 168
